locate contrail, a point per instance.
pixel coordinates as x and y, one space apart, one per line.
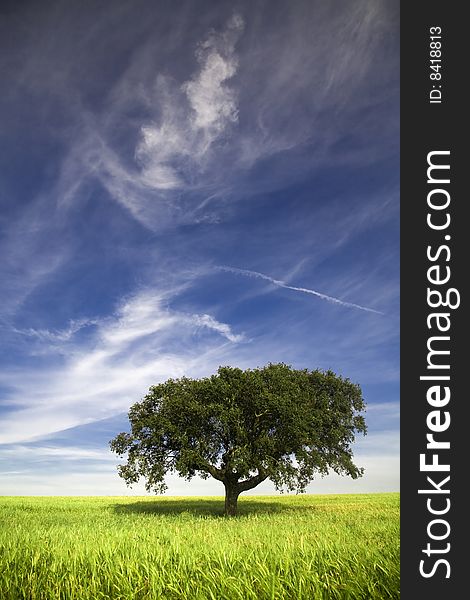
283 284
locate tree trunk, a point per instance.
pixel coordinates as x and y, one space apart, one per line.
231 499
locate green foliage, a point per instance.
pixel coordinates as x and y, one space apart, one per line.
242 427
301 547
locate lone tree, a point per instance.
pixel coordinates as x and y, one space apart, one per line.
242 427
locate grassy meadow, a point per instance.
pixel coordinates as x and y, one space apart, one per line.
300 547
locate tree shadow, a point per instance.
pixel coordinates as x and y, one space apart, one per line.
202 507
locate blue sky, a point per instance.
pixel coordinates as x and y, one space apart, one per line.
185 185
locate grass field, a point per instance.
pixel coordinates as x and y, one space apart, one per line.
302 547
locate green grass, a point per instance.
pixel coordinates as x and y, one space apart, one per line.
302 547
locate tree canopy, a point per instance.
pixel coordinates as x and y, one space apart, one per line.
243 427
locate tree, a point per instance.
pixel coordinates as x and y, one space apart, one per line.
243 427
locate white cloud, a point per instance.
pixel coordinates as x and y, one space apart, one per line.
171 150
204 134
222 328
174 152
213 102
143 343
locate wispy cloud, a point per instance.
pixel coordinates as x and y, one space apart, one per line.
143 342
171 150
32 250
204 135
62 335
37 454
222 328
285 285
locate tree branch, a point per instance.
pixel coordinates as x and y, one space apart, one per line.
215 472
252 482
